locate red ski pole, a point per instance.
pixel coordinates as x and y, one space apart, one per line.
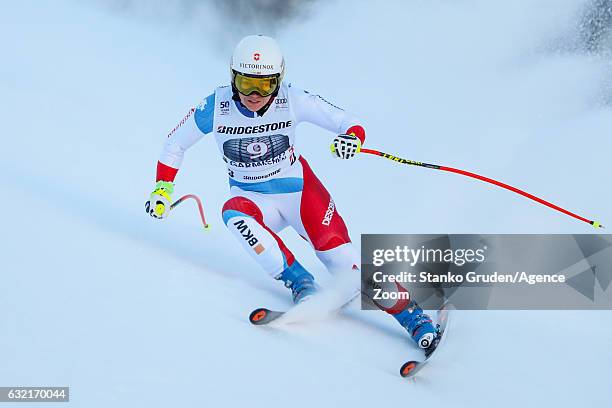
198 202
482 178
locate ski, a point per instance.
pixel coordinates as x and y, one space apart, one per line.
410 368
262 316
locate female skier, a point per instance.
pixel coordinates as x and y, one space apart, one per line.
271 184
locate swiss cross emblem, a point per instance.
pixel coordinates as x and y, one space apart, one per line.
256 56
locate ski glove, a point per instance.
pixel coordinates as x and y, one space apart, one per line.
159 203
345 146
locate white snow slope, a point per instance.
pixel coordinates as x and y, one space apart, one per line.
131 312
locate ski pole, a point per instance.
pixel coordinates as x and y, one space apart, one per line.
483 178
200 207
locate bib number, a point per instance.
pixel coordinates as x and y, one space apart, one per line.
257 149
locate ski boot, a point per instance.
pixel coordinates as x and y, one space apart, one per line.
300 282
418 325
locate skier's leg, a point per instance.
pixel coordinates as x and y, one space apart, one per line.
314 216
326 231
245 220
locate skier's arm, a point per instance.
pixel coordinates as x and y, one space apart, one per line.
190 130
314 109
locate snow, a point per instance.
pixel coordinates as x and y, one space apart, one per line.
129 311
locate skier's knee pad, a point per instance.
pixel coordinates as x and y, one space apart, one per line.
330 239
241 206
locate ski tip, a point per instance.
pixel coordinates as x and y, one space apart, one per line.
408 368
258 316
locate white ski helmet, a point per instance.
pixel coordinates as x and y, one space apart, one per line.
257 56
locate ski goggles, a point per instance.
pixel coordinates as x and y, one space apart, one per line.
263 85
